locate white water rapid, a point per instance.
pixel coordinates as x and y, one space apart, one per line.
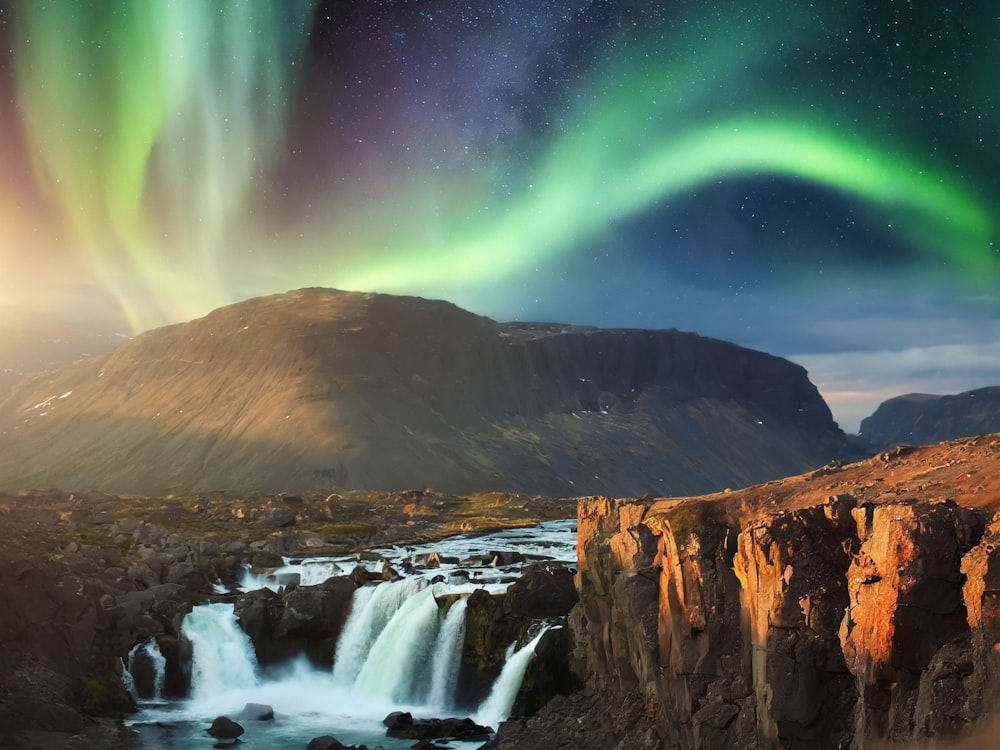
501 699
223 656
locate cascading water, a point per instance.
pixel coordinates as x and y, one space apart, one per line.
397 651
501 699
397 664
448 656
145 672
371 610
223 656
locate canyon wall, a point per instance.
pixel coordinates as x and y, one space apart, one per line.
845 608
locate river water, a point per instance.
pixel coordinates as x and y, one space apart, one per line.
397 651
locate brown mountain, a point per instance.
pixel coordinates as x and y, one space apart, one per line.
31 342
318 390
921 418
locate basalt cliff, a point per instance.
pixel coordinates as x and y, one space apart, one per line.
853 607
321 391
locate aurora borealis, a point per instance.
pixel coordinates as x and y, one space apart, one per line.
821 184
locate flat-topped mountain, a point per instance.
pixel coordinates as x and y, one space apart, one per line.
320 390
921 419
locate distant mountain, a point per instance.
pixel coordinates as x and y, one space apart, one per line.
319 390
31 343
922 419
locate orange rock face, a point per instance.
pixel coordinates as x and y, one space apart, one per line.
849 606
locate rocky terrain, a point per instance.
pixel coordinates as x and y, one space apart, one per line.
322 391
841 608
846 607
921 419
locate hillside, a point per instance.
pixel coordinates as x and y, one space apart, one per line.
320 390
921 419
31 343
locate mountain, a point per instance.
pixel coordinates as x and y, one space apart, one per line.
31 342
321 390
921 419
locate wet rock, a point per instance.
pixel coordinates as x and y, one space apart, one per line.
361 575
329 742
224 728
302 619
257 712
402 724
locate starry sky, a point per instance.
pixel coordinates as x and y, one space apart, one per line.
816 180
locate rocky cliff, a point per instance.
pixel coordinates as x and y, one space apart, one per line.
850 606
921 419
319 390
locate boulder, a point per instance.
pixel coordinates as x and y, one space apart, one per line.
401 724
545 589
329 742
224 728
257 712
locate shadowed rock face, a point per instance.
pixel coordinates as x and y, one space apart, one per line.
921 419
318 390
843 608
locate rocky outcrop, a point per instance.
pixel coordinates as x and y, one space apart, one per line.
319 390
301 620
853 605
922 419
401 724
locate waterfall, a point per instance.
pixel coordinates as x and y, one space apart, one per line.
372 609
223 656
128 682
499 702
448 656
398 662
144 671
396 646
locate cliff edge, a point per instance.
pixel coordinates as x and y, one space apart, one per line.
838 609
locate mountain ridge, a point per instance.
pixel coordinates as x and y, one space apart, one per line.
321 390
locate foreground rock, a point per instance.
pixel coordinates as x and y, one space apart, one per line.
402 724
224 728
314 377
329 742
850 606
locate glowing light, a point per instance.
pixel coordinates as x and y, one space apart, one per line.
149 122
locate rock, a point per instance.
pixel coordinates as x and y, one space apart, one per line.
361 575
329 742
544 590
402 724
257 712
224 728
278 518
326 742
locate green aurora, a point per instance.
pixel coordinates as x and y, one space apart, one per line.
155 129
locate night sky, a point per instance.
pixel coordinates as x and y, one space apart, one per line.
818 182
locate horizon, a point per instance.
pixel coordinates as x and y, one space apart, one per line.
822 189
